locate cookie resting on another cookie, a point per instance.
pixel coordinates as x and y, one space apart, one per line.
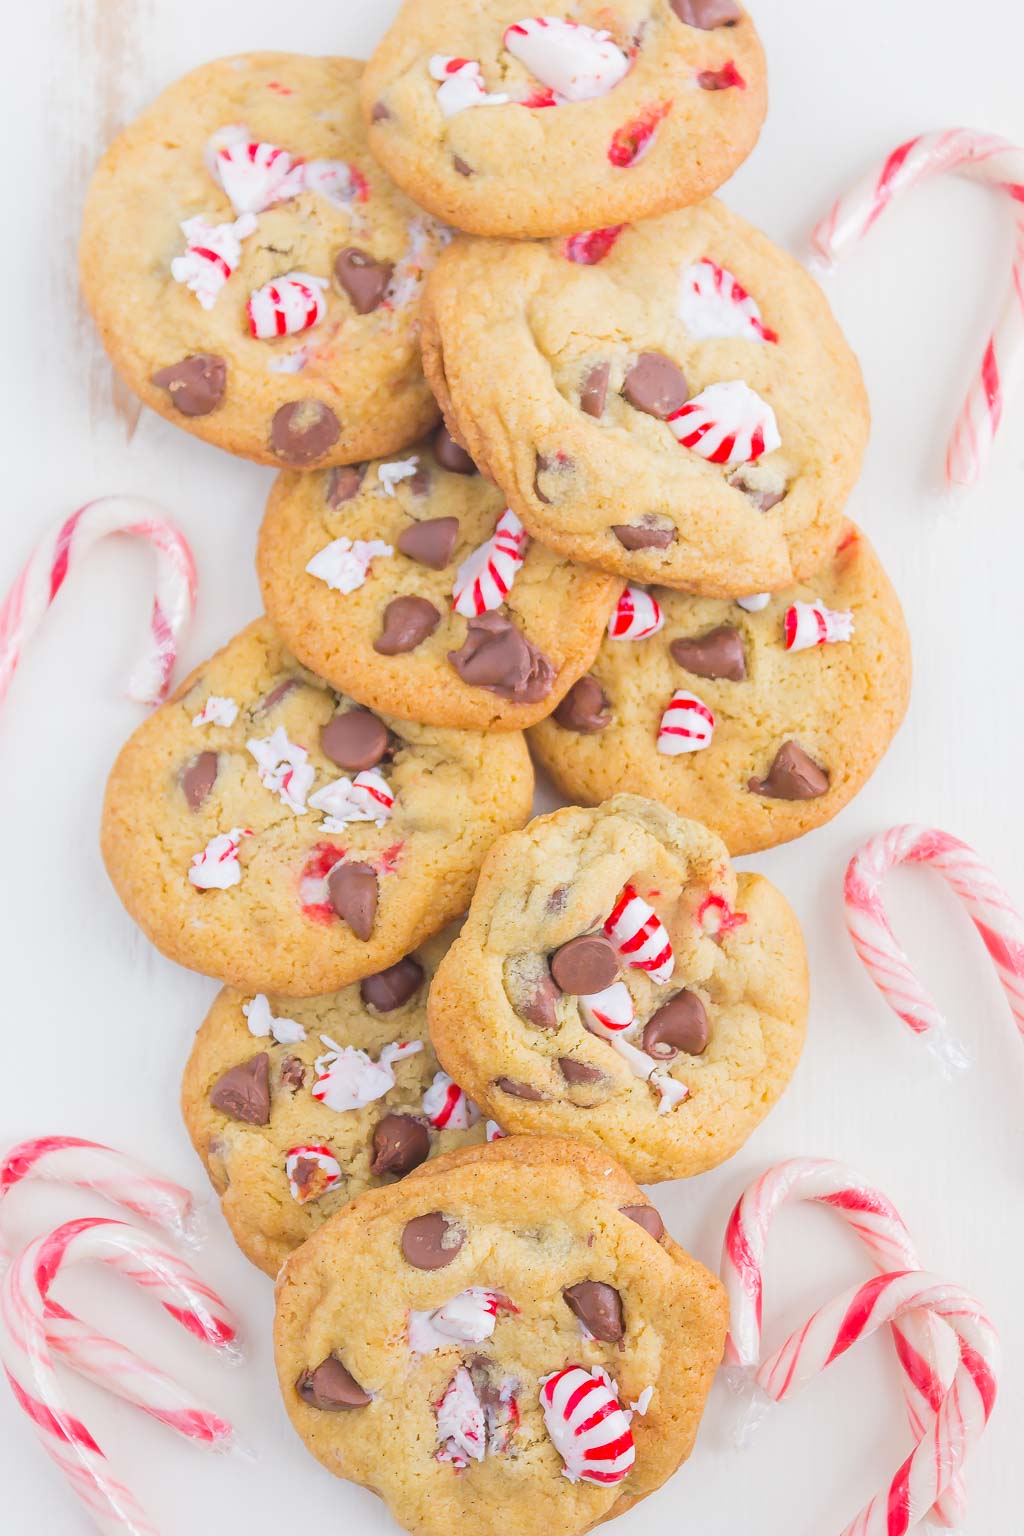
508 1338
260 828
677 405
504 123
254 274
626 987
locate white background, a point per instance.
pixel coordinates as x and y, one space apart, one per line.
96 1024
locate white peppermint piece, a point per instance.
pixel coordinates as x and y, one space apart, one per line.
756 602
288 362
670 1093
643 1402
212 252
345 564
447 1106
348 1078
217 711
468 1318
713 304
262 1022
577 62
400 469
364 798
462 85
427 238
494 1131
254 174
284 769
217 867
727 423
339 183
461 1422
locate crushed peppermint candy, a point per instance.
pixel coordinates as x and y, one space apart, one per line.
347 1078
364 798
341 184
727 423
587 1425
461 1422
467 1318
637 616
254 175
577 62
262 1022
713 304
345 563
808 624
755 603
284 768
609 1012
312 1172
294 302
485 577
447 1106
217 711
217 867
643 1402
212 252
687 725
461 85
400 469
494 1131
640 936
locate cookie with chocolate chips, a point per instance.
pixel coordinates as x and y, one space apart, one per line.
267 830
505 123
410 585
433 1340
805 694
675 404
656 1008
254 274
268 1074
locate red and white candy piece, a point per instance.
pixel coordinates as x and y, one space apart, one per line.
447 1106
217 867
468 1318
254 175
340 183
348 1078
716 918
304 1189
637 616
367 797
284 768
609 1012
212 252
461 85
727 423
640 936
484 579
263 1023
588 1426
686 726
577 62
809 624
345 563
461 1422
494 1131
217 711
713 304
286 305
592 245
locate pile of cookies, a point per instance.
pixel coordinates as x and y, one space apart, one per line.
625 538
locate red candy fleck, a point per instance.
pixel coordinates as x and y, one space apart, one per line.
360 183
541 98
727 919
721 79
631 142
321 860
282 90
389 859
592 246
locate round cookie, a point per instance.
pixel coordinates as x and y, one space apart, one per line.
682 410
626 986
280 322
504 123
435 1341
253 1099
262 829
796 731
361 568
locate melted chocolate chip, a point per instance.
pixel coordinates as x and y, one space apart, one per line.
303 430
450 454
244 1091
390 989
762 499
599 1308
792 776
647 1217
381 112
280 691
518 1090
196 385
579 1071
707 14
719 653
497 656
352 889
431 1241
461 166
585 709
355 740
408 621
362 278
293 1073
431 542
559 465
419 483
643 535
343 483
585 965
681 1024
198 778
594 390
656 386
536 1003
400 1144
331 1388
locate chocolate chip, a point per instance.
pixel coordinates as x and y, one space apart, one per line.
461 166
408 621
585 708
244 1091
655 385
419 483
430 1242
647 535
496 656
352 889
585 965
647 1217
599 1308
792 776
196 385
343 483
719 653
381 112
389 989
293 1073
280 691
536 1002
681 1024
762 499
518 1090
579 1071
594 390
362 277
355 740
559 465
198 778
707 14
331 1388
400 1144
303 430
431 542
450 454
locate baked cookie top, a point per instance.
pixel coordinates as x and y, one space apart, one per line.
254 274
626 986
411 585
762 722
295 1105
676 404
508 124
261 828
435 1341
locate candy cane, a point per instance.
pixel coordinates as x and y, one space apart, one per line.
936 1461
54 557
1000 164
987 905
922 1340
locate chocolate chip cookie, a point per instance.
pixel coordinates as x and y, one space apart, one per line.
626 987
762 723
682 410
254 275
409 584
504 123
508 1337
263 829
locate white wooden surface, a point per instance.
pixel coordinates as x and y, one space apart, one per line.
96 1024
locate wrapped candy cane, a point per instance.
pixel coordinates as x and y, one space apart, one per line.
640 936
577 62
936 1462
925 1345
254 175
484 579
447 1107
212 253
462 85
60 551
712 303
289 304
587 1424
637 616
809 624
727 423
986 902
686 726
1000 164
216 867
